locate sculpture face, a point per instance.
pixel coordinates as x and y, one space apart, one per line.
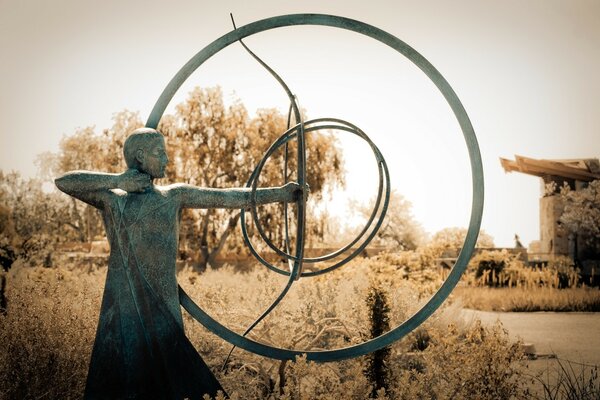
153 159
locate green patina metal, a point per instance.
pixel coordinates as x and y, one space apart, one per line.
298 132
379 209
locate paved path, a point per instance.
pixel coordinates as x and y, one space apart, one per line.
571 336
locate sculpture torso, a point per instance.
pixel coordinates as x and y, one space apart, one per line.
141 350
145 227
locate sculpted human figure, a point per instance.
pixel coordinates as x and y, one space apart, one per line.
141 351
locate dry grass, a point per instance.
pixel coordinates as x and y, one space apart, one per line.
529 299
47 335
567 380
47 332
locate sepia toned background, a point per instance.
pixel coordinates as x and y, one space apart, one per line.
525 72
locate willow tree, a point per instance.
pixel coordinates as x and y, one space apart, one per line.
209 144
214 145
88 150
399 230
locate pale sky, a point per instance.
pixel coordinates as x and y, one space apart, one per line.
526 72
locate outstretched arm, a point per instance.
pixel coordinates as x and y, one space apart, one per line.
93 187
197 197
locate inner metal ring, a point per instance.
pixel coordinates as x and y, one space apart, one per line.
384 185
476 176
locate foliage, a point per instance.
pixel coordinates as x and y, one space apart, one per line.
578 382
399 230
7 253
517 287
526 299
413 266
213 145
479 363
377 370
88 150
489 266
503 269
30 220
208 145
581 214
48 331
567 275
448 241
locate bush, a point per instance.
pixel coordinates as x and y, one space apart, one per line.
489 266
48 330
377 371
479 363
581 299
502 269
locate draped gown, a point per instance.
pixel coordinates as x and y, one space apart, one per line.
140 350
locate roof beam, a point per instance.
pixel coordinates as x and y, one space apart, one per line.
543 168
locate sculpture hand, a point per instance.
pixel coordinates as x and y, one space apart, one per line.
294 191
133 181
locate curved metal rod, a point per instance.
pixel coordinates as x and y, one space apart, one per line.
301 163
477 180
286 137
353 129
296 265
290 281
286 225
383 176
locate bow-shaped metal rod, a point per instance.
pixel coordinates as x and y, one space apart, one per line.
301 154
295 265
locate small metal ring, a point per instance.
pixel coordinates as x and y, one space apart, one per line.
384 185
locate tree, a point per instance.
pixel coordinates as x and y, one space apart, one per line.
208 145
216 146
452 239
32 221
581 215
87 150
399 230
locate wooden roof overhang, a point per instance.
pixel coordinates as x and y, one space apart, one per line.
570 169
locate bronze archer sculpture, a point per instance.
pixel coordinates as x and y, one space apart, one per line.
133 313
141 350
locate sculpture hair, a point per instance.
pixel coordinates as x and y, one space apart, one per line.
138 139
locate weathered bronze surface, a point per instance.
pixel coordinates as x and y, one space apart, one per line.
476 175
141 350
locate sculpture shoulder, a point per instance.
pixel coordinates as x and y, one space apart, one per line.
170 191
157 194
175 190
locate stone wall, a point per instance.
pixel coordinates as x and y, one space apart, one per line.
554 239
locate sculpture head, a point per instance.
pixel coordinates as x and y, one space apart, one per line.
144 150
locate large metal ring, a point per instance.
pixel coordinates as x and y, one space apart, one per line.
476 171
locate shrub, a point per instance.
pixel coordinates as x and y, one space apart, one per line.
479 363
48 330
489 266
572 381
501 269
377 370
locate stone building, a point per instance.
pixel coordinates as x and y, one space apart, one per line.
554 240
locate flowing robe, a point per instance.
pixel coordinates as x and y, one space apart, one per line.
141 350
